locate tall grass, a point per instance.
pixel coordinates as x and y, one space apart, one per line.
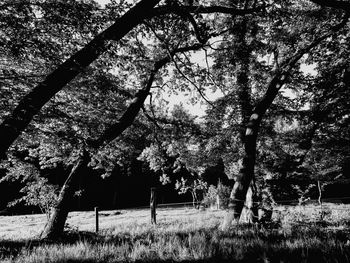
190 235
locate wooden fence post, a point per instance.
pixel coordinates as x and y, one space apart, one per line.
96 218
153 204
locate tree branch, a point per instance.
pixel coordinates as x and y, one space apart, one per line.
344 5
166 9
280 77
133 109
291 61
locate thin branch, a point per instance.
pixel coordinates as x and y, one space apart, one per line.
153 120
187 15
166 9
344 5
193 83
177 67
21 76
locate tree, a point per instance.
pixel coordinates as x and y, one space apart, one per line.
252 128
196 187
281 41
41 194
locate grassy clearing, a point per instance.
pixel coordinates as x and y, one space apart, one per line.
183 235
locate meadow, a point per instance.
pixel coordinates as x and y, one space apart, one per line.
296 234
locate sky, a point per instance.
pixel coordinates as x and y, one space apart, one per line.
102 2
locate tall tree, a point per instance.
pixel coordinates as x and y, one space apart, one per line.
274 85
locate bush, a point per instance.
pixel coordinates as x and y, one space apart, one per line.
214 194
39 193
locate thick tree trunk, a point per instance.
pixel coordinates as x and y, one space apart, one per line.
31 104
250 211
246 175
55 225
242 61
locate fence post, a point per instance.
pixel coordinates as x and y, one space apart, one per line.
96 218
153 204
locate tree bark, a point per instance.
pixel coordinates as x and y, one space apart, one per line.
55 225
31 104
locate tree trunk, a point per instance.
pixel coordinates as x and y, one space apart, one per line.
194 199
251 214
246 175
31 104
55 225
218 202
241 59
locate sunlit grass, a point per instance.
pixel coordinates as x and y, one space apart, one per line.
190 235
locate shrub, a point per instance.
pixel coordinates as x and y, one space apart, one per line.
39 193
221 193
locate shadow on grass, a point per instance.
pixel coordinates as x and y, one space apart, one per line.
249 244
11 248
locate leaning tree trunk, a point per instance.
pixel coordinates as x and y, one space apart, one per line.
55 226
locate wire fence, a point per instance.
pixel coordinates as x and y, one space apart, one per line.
301 216
277 203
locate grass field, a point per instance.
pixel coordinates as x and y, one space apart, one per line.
297 234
